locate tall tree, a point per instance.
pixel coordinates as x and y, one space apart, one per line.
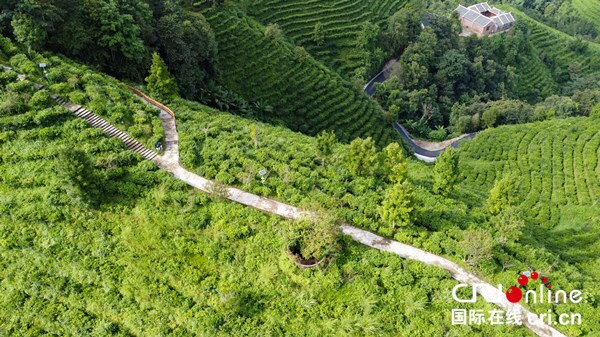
394 164
504 194
188 45
318 36
161 83
397 208
120 35
362 157
27 31
325 142
445 171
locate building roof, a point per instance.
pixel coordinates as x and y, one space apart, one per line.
475 14
480 7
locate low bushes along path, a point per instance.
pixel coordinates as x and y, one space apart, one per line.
170 162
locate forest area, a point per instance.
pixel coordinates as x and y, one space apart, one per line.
268 98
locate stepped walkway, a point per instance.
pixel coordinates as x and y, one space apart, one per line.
170 162
489 293
99 122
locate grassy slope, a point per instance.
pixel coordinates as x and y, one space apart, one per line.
532 73
589 9
341 20
99 93
306 95
558 162
217 145
555 43
159 258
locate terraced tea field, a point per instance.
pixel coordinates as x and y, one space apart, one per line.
589 9
555 45
341 21
557 161
304 94
534 74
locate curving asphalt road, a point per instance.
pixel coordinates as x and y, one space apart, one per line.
420 153
424 152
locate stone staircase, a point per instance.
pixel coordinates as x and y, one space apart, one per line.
98 122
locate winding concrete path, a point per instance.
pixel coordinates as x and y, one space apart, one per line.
424 154
169 161
487 291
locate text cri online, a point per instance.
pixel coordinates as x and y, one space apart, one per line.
463 316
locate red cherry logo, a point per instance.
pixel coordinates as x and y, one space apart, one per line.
534 275
523 280
549 286
544 280
514 294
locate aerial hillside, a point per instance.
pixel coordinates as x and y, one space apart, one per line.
560 50
94 240
330 30
266 195
590 9
557 170
258 63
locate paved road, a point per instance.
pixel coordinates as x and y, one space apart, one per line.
420 153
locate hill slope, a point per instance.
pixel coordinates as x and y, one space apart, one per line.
151 256
559 171
341 22
590 9
306 95
560 49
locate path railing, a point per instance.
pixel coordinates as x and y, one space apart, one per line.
151 100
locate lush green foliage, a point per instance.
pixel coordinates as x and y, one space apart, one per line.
118 36
340 33
560 50
574 17
554 170
438 69
445 172
155 257
98 93
588 9
303 94
161 83
95 241
571 144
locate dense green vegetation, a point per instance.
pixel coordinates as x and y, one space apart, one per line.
558 172
440 75
77 84
258 62
557 160
151 256
230 149
561 50
95 241
588 9
574 17
340 33
118 36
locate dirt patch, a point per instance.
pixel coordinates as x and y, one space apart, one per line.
381 242
301 262
434 146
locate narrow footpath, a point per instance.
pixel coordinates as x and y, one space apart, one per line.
489 293
169 161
